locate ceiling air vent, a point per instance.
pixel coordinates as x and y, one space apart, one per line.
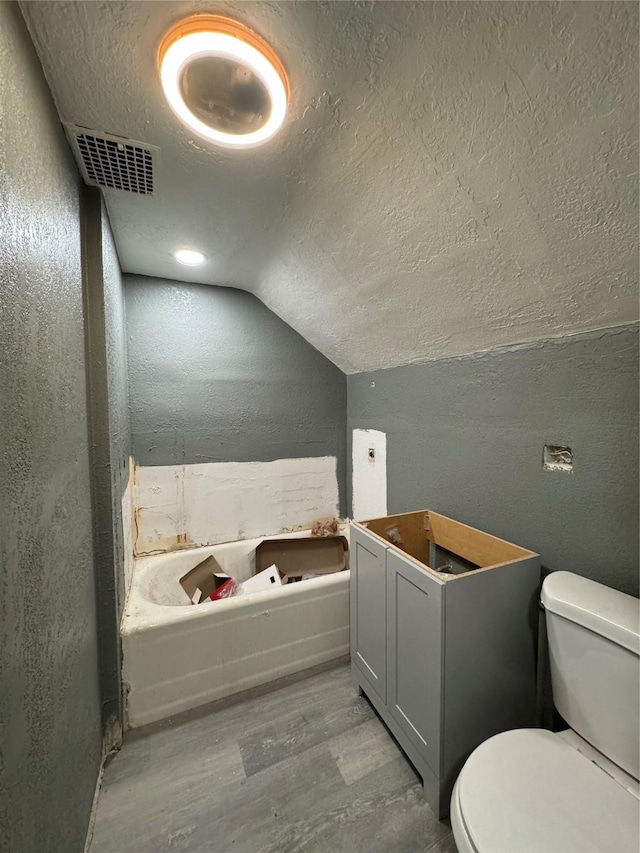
112 161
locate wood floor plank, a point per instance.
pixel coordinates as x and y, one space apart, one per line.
362 750
305 768
276 740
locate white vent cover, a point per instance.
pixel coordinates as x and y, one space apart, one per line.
113 162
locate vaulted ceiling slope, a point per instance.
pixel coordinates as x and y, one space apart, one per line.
451 176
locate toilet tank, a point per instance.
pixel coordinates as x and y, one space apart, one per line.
594 652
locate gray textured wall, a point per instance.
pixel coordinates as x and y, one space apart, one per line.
215 377
50 732
465 437
110 440
118 391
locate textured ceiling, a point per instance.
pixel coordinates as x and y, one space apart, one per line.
451 176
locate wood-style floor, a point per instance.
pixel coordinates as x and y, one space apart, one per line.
304 765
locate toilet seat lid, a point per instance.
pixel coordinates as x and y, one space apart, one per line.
528 791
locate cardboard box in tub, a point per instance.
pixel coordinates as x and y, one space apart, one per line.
207 582
307 556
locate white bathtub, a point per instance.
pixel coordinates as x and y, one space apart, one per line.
177 655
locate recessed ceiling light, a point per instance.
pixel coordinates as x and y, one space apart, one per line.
223 81
189 257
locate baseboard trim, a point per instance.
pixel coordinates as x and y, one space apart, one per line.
94 807
111 744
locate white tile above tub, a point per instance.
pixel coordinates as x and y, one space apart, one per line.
178 506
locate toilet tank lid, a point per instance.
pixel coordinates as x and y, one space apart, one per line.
606 611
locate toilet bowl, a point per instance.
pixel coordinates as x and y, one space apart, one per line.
534 791
529 791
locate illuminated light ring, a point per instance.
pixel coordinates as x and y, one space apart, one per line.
187 47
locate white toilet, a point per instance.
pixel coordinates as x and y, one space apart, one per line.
532 791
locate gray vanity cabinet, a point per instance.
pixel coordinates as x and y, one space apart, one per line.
447 660
414 650
369 610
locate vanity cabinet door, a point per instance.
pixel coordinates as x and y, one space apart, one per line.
414 654
369 609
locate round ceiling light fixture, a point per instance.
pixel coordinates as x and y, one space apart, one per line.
189 257
223 81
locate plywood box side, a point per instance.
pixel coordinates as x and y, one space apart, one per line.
474 545
522 561
412 532
381 521
419 549
406 531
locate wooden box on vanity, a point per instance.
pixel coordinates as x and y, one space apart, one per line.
447 658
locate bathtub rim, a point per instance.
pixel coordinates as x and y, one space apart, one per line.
141 614
164 614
